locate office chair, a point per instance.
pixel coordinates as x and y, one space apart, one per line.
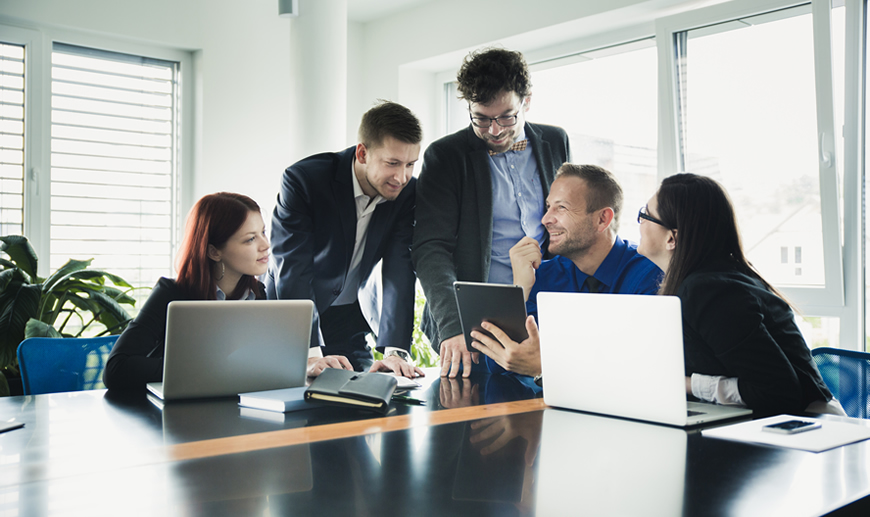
847 374
54 365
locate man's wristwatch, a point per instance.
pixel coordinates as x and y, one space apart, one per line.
539 380
401 354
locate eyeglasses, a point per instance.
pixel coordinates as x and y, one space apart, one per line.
643 213
503 121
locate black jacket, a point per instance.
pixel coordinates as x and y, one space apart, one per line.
734 326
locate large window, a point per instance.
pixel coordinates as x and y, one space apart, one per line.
606 101
90 151
113 161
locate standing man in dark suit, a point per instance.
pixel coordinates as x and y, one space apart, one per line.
337 215
481 190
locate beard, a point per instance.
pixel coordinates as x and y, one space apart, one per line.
575 245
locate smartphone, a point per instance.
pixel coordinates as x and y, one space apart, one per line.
792 426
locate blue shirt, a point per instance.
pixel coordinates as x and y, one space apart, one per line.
517 207
623 271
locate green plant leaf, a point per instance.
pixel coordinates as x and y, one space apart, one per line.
17 306
36 328
7 264
99 276
21 253
111 313
64 272
119 295
4 386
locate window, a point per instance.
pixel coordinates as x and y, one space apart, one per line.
113 161
755 107
606 101
11 139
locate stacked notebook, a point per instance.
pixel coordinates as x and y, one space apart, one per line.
370 391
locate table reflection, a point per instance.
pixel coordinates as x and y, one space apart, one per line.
609 466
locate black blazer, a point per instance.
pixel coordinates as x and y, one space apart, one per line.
137 357
313 235
734 326
453 236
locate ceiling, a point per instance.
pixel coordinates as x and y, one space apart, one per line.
363 11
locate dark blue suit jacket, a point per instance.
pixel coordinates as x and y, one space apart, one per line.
313 235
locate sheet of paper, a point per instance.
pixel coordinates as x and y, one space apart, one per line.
832 434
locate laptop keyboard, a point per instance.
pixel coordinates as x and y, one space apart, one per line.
689 412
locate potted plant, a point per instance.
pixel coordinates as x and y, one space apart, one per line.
73 301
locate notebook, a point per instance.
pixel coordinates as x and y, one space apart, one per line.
224 348
619 355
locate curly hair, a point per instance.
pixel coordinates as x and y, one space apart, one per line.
487 72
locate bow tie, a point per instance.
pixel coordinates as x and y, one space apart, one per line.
518 146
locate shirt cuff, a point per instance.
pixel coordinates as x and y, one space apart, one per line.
314 351
716 388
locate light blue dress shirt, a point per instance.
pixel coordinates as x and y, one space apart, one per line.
517 207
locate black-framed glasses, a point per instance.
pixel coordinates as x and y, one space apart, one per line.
643 213
503 121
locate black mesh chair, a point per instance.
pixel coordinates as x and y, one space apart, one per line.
847 374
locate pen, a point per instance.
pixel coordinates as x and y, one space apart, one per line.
408 400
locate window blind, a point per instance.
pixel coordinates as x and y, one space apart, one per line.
114 186
11 139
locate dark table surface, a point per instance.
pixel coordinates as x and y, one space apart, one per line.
485 446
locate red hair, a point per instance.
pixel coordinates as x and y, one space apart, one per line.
212 220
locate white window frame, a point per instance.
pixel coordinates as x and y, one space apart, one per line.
843 256
38 43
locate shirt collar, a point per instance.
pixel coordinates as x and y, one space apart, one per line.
221 296
609 268
357 188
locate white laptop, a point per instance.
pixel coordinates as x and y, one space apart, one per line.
216 349
619 355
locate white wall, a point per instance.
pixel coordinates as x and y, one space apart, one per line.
242 72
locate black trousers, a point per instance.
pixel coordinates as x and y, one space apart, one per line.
344 331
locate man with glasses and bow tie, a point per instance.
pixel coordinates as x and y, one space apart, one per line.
581 219
481 190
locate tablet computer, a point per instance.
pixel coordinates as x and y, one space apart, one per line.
499 304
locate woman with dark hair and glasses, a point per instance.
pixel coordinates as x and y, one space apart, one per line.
224 250
742 345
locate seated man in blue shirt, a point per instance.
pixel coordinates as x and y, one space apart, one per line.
581 218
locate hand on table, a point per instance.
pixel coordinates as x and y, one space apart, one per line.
453 354
398 366
316 365
523 358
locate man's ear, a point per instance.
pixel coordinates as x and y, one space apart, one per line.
605 218
213 253
527 102
361 153
671 245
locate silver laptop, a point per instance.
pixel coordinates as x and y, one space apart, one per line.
619 355
216 349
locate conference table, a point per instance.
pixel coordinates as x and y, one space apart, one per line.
482 446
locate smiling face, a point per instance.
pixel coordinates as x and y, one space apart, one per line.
657 243
500 139
572 230
386 169
246 252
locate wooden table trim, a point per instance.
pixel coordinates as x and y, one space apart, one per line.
288 437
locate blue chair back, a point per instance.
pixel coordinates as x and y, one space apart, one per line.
54 365
847 374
